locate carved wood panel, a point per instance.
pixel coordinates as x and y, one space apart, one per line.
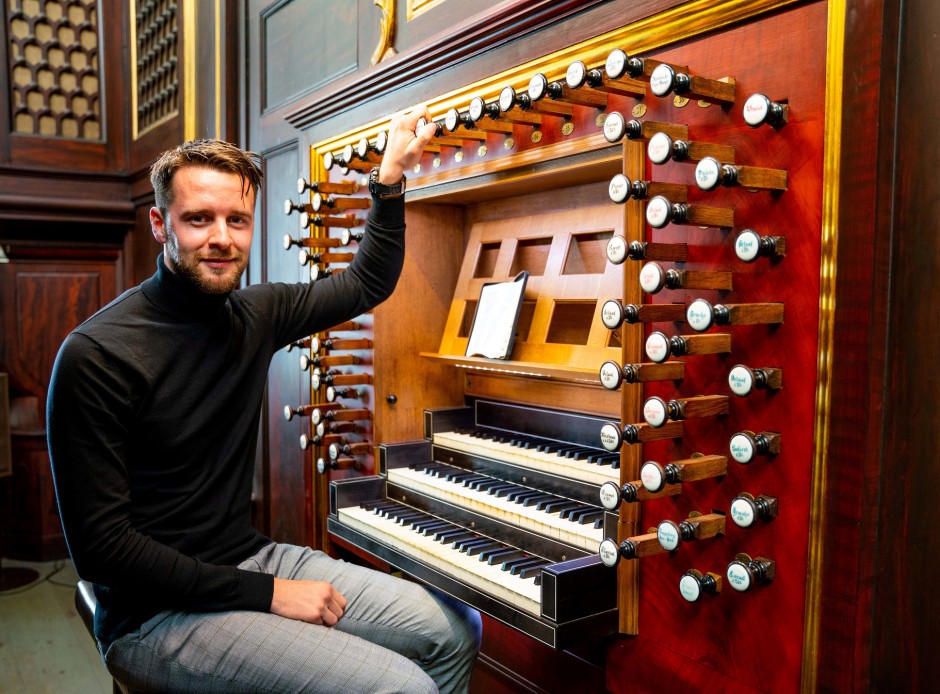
55 82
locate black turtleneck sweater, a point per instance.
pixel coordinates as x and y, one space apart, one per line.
152 419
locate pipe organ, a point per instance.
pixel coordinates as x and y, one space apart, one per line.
664 189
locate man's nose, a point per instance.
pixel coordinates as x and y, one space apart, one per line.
220 235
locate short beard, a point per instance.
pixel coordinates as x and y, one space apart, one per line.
189 272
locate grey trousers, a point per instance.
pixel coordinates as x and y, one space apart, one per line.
395 636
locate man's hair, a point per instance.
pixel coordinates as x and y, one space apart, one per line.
212 154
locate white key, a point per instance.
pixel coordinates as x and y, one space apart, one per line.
547 462
551 524
522 593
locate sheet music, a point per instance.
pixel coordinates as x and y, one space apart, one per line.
494 324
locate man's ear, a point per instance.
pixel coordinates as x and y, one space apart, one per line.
157 225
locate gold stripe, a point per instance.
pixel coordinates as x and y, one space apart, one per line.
133 21
189 69
218 69
835 46
417 7
669 27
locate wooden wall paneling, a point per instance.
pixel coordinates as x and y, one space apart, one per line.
104 154
287 385
904 609
6 461
289 69
411 321
44 293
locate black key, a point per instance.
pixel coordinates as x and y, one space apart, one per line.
476 549
566 512
486 485
559 506
514 570
590 517
502 555
510 563
470 481
531 561
599 523
503 490
532 501
452 535
464 545
576 513
538 578
534 570
521 494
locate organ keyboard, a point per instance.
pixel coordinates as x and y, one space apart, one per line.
499 507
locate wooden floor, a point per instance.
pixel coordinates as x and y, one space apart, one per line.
44 647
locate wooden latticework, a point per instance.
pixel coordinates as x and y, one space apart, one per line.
157 31
55 82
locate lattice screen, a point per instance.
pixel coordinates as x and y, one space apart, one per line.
55 82
157 76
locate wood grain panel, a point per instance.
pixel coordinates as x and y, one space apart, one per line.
285 463
289 66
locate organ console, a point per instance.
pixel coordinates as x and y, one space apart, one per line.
513 484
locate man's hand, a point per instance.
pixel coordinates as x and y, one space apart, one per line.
404 146
316 602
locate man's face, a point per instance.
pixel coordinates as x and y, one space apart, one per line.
206 233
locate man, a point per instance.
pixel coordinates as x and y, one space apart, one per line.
152 420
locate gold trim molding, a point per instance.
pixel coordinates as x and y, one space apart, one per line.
672 26
832 150
418 7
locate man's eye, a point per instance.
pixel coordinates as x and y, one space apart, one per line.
198 219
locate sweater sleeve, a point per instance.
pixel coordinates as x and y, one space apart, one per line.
89 413
305 308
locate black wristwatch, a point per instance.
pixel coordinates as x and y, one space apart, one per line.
380 190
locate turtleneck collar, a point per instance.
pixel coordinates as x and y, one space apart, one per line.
179 298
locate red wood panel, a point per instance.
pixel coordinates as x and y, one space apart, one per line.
751 641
